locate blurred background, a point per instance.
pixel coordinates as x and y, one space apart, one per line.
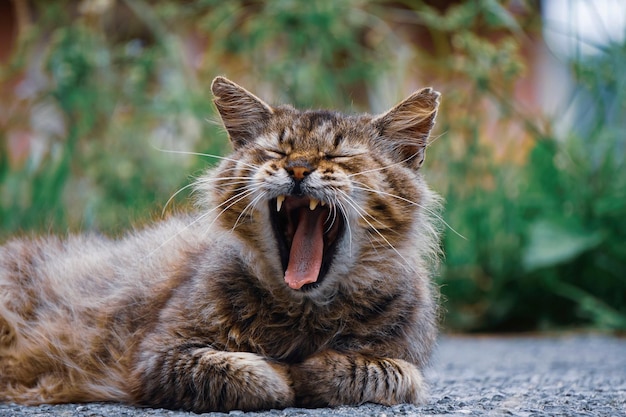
530 142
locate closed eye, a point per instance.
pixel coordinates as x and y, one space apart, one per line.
343 156
275 153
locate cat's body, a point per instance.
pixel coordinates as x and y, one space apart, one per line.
304 279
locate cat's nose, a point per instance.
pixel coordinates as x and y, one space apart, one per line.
298 172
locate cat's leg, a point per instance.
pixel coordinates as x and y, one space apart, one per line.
332 378
202 379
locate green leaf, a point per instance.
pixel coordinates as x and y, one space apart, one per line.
498 16
551 244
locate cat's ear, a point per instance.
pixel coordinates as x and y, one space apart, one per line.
244 115
406 127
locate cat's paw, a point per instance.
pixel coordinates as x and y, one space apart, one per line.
204 380
333 378
245 381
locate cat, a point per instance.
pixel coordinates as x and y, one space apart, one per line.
304 278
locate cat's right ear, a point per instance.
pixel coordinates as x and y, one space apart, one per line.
244 115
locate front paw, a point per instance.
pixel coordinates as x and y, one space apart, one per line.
244 381
204 380
331 378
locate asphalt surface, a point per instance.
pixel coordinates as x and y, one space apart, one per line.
576 375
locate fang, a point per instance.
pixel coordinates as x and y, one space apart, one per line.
279 202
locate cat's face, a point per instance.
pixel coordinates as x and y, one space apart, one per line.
316 190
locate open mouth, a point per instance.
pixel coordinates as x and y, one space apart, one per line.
307 232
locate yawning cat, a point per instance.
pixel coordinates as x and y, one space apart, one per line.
303 279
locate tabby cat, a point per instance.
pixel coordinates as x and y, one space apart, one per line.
303 278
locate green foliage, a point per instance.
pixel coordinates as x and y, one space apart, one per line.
318 53
102 91
545 239
113 104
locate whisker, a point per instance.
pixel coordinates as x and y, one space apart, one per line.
373 244
224 158
199 218
173 196
242 181
231 201
251 205
365 212
238 183
237 198
382 168
166 241
241 173
428 143
332 216
344 213
258 199
358 210
431 212
433 139
210 179
238 168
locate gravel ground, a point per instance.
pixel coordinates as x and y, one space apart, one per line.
495 376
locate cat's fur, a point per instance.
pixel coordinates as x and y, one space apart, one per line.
214 311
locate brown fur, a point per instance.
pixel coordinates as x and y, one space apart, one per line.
195 312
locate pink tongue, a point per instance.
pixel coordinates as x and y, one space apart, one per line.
307 248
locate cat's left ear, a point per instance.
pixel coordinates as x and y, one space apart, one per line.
406 127
244 114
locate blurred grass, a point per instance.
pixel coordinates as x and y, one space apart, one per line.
96 89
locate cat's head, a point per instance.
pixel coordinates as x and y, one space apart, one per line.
318 191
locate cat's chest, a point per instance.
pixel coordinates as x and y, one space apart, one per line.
263 325
281 338
238 314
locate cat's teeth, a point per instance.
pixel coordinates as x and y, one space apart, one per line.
313 203
322 203
279 202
